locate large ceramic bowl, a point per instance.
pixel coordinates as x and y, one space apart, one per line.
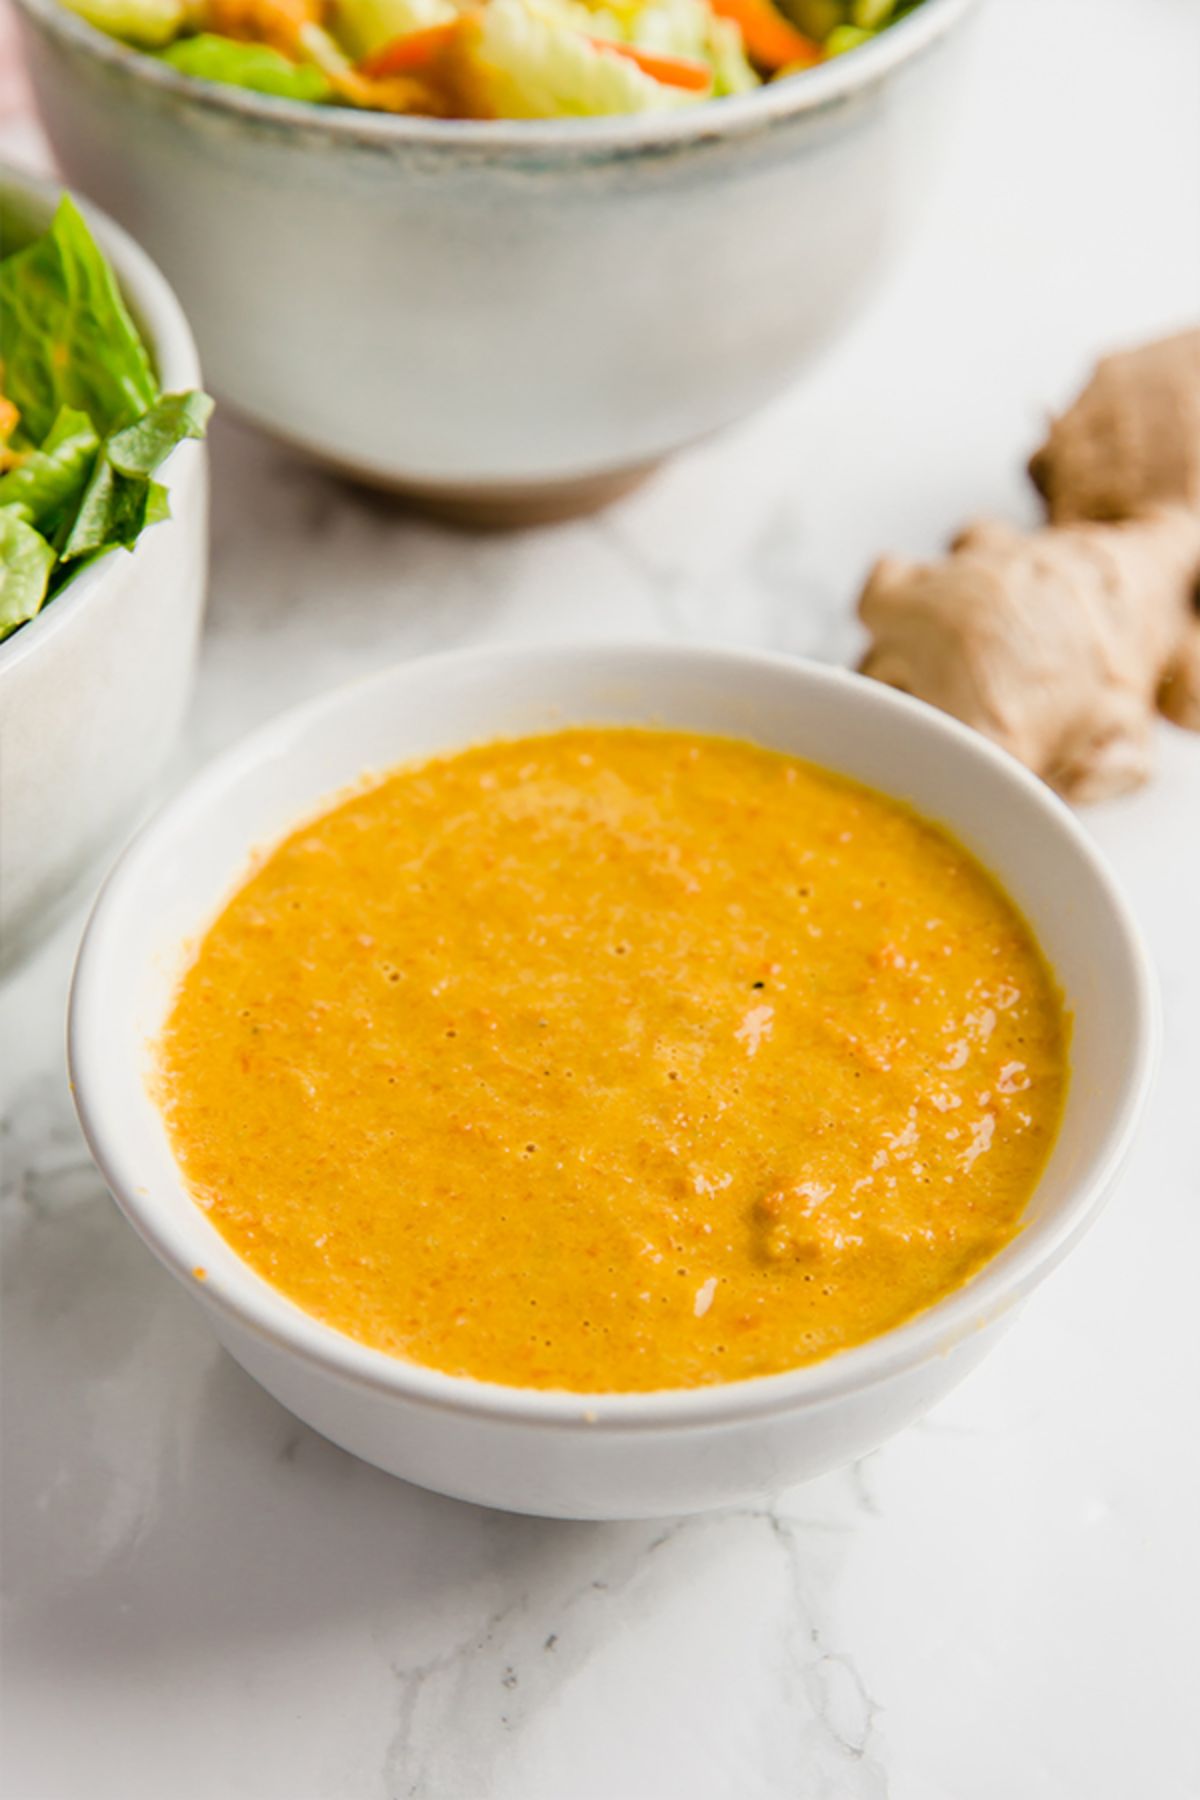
603 1455
508 317
92 690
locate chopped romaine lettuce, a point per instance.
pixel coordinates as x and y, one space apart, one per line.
87 425
46 482
254 66
112 511
68 338
26 560
115 503
142 446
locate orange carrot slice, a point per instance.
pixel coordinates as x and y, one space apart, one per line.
414 50
771 40
673 71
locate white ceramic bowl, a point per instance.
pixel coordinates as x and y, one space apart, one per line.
511 318
603 1456
92 690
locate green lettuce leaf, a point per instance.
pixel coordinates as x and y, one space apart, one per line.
254 66
93 426
120 499
817 18
142 446
158 504
47 482
68 338
147 23
112 511
156 509
26 560
846 37
871 15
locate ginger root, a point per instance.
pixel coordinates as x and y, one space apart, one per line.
1179 695
1057 644
1131 440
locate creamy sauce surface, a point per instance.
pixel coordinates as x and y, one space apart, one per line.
615 1059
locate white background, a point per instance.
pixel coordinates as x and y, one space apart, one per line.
204 1601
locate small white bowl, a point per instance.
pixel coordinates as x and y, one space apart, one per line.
604 1455
92 690
507 319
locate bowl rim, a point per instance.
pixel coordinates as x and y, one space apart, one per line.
253 1305
173 348
711 120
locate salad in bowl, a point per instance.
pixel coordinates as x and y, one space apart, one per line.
512 319
489 59
84 424
103 543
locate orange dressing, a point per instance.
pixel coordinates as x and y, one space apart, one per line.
615 1059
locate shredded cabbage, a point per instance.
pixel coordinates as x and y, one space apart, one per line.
522 64
732 73
691 28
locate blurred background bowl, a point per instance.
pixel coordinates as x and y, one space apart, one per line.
93 689
506 321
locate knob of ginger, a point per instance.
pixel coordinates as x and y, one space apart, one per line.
1179 696
1132 438
1057 644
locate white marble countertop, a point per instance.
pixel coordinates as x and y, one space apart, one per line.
204 1601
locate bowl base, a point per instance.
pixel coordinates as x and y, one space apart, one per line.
500 506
